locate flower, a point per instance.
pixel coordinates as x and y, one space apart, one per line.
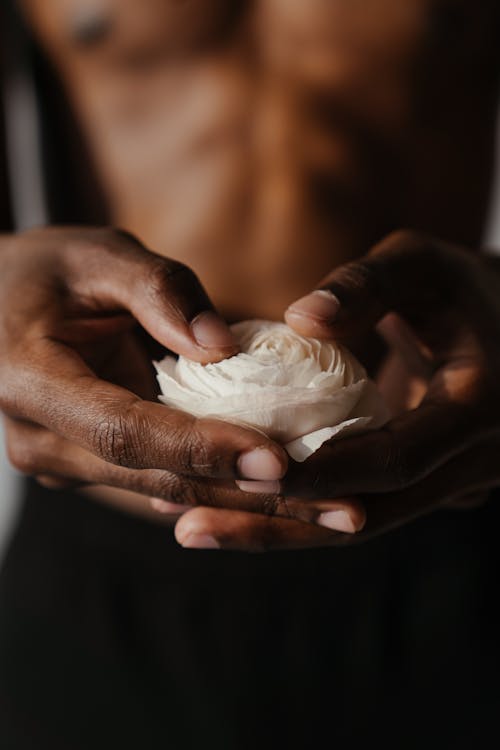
299 391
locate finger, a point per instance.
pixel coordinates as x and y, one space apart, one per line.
210 528
474 471
347 514
394 277
400 454
57 390
109 269
59 464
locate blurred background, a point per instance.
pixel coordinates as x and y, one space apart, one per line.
10 481
9 486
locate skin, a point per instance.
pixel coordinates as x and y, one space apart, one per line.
441 451
221 146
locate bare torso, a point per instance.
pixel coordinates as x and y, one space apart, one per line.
262 142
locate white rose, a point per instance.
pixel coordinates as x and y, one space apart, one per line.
299 391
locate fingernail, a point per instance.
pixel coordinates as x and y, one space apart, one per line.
338 520
162 506
263 488
200 541
261 463
321 304
212 332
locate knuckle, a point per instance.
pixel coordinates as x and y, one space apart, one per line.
117 439
112 238
404 246
107 440
96 243
196 453
402 239
164 273
92 240
418 247
356 275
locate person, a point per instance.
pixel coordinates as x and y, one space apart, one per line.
245 150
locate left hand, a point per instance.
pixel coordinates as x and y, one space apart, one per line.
439 306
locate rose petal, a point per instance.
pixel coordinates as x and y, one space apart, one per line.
303 447
299 391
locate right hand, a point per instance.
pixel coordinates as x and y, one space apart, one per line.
75 377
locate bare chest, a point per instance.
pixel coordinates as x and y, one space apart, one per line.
249 137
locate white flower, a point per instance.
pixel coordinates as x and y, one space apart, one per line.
299 391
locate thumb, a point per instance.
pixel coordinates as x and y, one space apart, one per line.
401 274
165 296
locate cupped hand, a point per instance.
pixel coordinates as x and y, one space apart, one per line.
439 307
77 386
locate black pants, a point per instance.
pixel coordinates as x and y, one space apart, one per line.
111 636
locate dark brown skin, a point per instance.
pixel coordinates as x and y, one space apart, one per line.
72 296
273 140
446 449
